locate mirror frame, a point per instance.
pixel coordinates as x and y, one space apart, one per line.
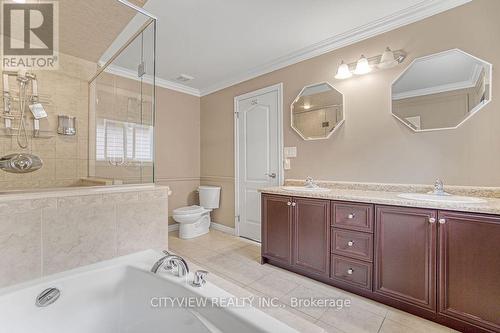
476 109
339 124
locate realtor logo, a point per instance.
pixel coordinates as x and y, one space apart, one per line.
29 35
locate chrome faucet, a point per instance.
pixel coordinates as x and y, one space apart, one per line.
169 262
438 188
310 183
180 264
161 262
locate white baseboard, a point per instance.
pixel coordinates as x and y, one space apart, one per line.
213 225
222 228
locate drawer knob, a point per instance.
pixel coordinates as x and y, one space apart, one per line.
351 216
442 221
432 220
288 203
350 243
350 271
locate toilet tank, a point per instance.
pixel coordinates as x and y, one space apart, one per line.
209 196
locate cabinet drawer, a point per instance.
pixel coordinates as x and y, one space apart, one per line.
352 244
354 272
352 216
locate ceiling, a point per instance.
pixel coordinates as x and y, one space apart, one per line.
223 42
85 28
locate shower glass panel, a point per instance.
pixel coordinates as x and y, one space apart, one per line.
121 131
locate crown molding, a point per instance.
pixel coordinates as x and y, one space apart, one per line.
434 90
130 74
401 18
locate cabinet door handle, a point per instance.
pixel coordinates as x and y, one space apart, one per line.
442 221
350 243
350 271
432 220
294 204
288 203
351 216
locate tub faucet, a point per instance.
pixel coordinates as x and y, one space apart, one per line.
169 262
310 183
180 264
161 262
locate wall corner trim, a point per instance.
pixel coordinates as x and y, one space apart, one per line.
130 74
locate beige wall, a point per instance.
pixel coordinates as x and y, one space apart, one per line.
177 151
372 145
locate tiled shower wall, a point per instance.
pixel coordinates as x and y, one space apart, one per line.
62 91
48 235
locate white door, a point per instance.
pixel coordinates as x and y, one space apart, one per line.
259 120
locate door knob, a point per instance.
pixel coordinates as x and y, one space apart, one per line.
350 243
432 220
350 271
442 221
272 175
288 203
351 216
294 204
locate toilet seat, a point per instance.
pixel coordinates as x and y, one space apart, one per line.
189 210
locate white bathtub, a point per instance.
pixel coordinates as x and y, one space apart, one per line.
121 295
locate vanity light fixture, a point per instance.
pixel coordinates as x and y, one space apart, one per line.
307 106
364 65
387 60
343 72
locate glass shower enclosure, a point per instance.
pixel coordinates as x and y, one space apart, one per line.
122 109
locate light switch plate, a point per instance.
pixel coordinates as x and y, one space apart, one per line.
290 152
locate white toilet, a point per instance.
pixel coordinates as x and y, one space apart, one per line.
194 220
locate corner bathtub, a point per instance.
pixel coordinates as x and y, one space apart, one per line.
115 296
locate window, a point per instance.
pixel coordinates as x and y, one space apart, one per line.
116 140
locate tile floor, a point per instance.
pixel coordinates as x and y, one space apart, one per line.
234 264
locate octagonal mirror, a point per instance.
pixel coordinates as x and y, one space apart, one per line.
317 111
441 91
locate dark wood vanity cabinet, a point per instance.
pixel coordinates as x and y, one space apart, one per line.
405 255
311 235
295 232
277 228
469 268
440 265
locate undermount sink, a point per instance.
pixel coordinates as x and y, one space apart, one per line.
441 198
306 189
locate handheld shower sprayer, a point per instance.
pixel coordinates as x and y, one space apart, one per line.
22 133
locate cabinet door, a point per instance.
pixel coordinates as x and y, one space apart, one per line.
311 235
277 227
405 255
469 268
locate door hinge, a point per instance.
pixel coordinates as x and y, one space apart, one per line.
238 217
237 114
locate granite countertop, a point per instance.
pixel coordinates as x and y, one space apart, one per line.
387 194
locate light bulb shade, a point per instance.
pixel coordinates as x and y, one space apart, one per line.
387 60
343 72
362 67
